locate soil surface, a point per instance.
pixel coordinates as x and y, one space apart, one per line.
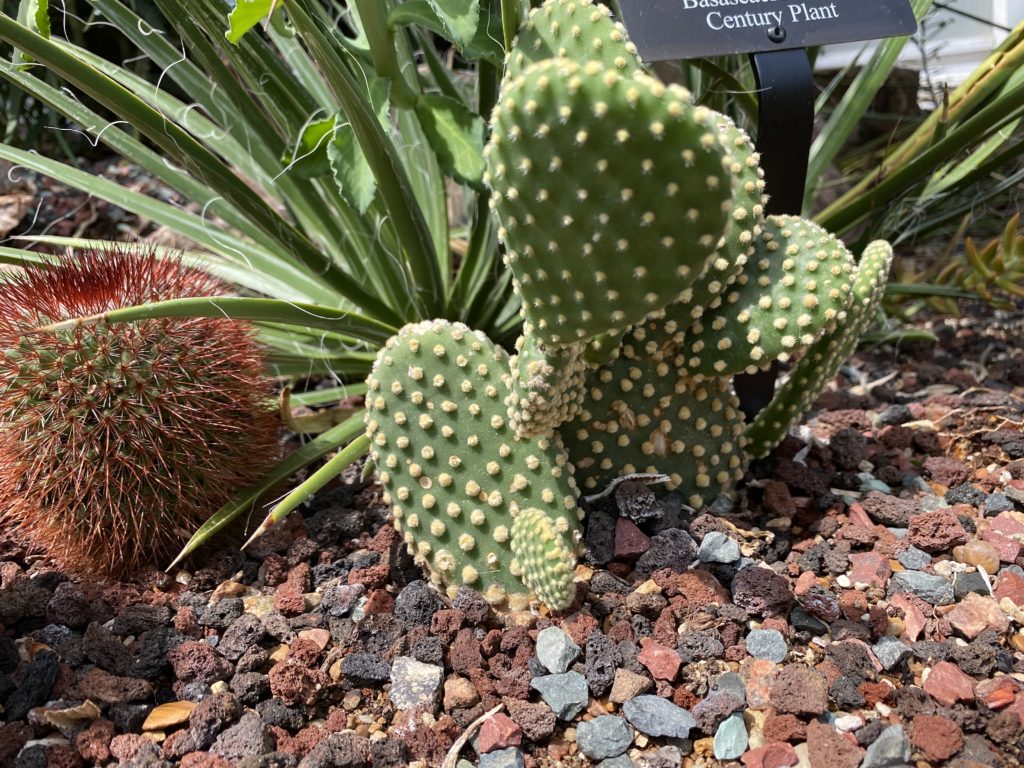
858 603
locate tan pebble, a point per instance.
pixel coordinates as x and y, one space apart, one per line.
978 553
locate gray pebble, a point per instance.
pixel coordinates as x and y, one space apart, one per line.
730 682
870 483
503 758
933 589
656 716
914 559
891 651
965 583
566 694
996 503
604 736
556 650
717 547
414 683
619 761
767 644
731 738
890 749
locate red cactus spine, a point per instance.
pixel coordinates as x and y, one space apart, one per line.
117 441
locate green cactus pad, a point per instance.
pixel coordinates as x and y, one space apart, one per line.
451 466
642 414
792 290
737 244
821 361
581 30
613 192
544 555
547 386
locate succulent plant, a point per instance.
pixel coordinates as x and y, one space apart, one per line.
822 360
577 148
634 229
116 440
456 474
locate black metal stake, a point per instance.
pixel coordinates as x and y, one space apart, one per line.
785 125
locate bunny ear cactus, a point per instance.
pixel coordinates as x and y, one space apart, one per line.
456 474
585 167
797 283
821 361
644 413
580 30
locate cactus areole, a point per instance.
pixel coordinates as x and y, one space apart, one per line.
635 231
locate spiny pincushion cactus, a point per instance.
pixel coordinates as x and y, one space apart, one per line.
118 440
635 233
585 166
455 473
821 361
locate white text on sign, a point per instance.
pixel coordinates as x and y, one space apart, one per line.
788 13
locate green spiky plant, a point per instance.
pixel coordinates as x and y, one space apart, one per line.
115 440
656 238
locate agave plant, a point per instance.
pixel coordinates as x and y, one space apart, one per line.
317 142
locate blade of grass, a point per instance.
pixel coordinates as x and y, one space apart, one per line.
302 457
341 461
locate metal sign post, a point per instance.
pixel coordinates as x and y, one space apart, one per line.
785 125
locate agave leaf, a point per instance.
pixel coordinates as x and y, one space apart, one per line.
246 501
342 460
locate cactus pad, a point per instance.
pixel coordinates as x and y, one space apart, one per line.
737 244
612 191
451 465
546 388
822 360
797 283
642 414
581 30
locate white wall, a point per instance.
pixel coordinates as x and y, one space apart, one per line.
955 49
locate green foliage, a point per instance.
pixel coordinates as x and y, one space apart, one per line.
322 159
351 147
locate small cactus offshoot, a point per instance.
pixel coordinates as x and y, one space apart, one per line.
117 440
